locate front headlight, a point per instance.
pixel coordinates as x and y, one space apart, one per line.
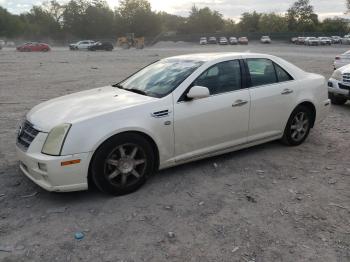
337 75
55 139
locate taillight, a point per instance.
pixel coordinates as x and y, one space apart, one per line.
337 58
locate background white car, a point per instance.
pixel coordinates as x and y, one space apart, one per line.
203 41
339 85
341 60
174 111
233 40
223 41
325 41
212 40
265 40
336 39
81 45
311 41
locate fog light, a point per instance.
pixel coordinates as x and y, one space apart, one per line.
42 167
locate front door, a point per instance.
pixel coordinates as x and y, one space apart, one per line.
216 122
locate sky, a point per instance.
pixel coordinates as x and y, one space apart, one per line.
229 8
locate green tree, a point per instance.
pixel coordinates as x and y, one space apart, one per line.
55 9
73 17
272 23
170 22
98 20
335 25
230 26
250 22
203 20
301 17
10 25
39 23
137 17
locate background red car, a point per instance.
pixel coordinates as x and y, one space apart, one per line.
34 47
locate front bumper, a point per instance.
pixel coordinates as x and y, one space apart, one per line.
48 172
334 87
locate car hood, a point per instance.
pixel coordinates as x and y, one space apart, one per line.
83 105
344 69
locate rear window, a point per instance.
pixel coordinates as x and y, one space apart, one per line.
282 74
262 71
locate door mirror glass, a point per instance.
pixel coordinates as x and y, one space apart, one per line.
198 92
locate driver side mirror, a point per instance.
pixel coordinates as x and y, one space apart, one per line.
197 92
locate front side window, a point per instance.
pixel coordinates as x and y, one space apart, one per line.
220 78
160 78
262 71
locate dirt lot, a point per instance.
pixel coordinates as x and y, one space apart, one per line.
267 203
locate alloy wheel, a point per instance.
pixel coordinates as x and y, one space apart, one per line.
300 126
125 165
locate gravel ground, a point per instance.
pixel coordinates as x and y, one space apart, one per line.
267 203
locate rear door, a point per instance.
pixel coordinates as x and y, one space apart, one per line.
220 121
272 92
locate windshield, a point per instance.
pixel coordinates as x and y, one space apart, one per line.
160 78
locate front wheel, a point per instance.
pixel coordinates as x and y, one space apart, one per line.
298 126
122 164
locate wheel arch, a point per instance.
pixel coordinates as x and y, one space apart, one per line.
143 134
312 109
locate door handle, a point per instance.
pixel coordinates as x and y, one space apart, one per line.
239 102
287 91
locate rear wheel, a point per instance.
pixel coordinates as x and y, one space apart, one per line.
122 164
298 126
337 100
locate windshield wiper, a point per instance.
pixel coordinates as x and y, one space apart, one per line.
118 86
137 91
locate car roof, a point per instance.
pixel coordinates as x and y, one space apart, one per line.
205 57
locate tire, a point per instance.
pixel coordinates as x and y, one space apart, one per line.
118 168
337 100
298 126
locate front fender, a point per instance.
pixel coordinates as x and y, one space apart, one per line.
89 134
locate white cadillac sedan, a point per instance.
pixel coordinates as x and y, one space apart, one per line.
173 111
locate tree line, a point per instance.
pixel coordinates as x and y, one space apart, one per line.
95 19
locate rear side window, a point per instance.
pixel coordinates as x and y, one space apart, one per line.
282 75
262 71
221 78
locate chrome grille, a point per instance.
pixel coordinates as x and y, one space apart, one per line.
26 135
346 78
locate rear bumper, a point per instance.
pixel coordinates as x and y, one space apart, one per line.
322 110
